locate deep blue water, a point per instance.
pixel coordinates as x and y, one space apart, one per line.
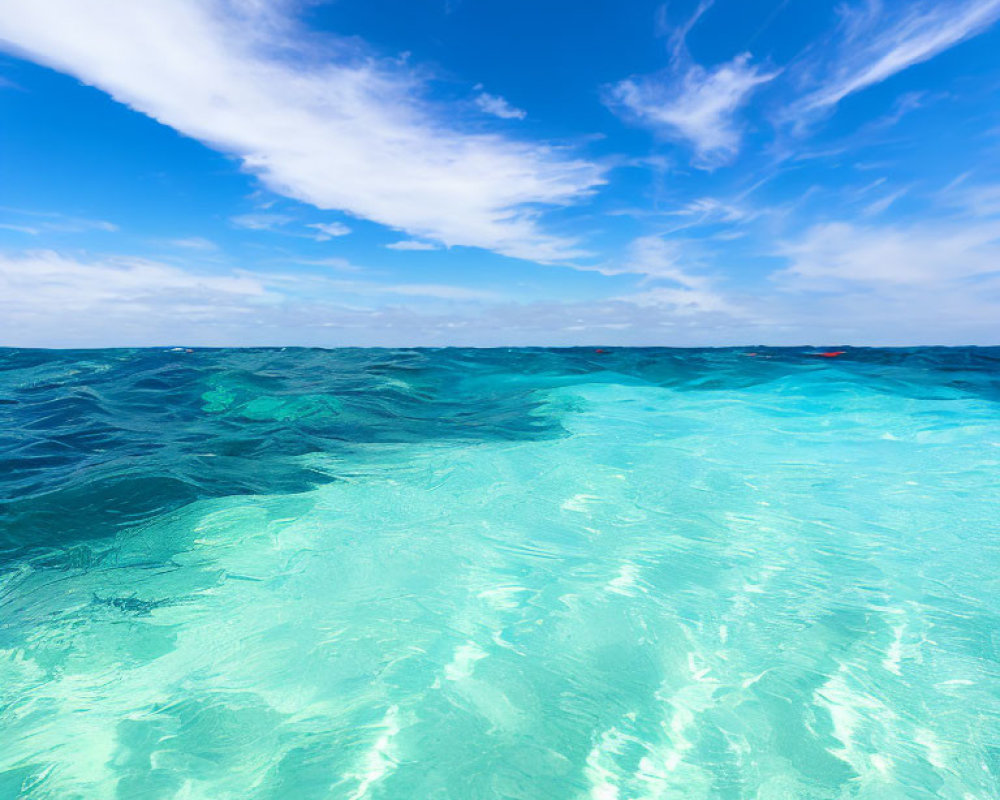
530 573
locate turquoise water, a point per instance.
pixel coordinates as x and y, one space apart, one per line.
500 574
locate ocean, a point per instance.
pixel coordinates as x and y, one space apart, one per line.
530 573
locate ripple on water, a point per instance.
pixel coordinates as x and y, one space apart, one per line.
533 574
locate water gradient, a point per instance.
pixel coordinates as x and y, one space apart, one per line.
646 573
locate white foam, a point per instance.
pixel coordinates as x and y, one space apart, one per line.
463 662
378 761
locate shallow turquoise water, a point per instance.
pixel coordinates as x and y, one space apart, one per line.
500 574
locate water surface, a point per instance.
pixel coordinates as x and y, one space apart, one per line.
646 573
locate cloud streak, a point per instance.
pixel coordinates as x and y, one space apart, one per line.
835 255
47 284
699 107
689 102
498 107
411 244
875 48
328 230
888 284
326 125
36 223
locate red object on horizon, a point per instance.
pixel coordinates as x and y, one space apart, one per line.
831 354
599 350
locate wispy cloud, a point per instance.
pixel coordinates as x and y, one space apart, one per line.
828 294
707 210
833 255
437 290
85 295
684 301
690 102
128 301
337 264
883 203
328 125
935 283
30 231
677 34
411 244
662 260
194 243
35 223
46 283
876 43
283 223
498 107
905 104
328 230
656 257
261 221
667 278
699 106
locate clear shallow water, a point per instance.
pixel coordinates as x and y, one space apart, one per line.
500 574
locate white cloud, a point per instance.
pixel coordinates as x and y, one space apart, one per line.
411 244
658 260
128 301
876 47
655 257
678 35
977 200
329 290
45 283
35 223
498 107
931 283
684 301
688 102
6 226
194 243
51 300
439 291
698 106
338 129
877 207
338 264
270 221
327 230
837 255
261 221
712 210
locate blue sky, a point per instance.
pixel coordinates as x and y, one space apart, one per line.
431 172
